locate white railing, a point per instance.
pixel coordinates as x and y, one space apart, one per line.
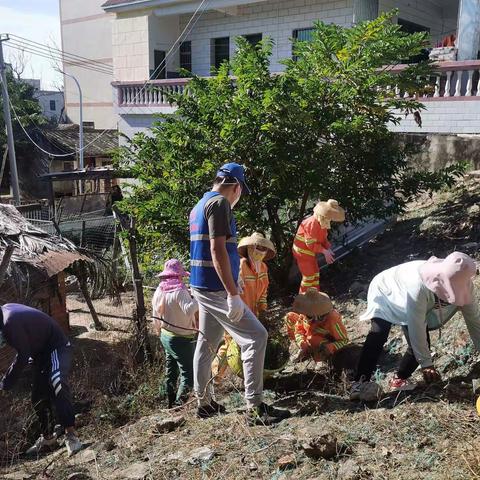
451 81
154 93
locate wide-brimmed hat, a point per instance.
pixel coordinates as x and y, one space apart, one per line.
173 268
331 210
259 240
312 303
450 278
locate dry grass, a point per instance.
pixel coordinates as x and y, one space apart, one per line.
430 434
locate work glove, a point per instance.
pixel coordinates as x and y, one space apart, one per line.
236 307
431 375
329 256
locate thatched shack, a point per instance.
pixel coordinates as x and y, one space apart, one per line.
32 268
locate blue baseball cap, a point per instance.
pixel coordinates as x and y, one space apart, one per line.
237 171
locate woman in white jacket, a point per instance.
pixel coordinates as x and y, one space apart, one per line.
174 311
420 296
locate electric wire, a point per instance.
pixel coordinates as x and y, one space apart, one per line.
176 45
48 56
62 52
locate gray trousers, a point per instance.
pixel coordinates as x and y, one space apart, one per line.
250 336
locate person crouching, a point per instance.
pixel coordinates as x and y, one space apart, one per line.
174 313
315 326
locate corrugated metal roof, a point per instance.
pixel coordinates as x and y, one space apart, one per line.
67 138
50 254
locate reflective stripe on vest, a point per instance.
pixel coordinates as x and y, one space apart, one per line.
302 250
203 274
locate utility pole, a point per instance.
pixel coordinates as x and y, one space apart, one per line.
8 123
81 163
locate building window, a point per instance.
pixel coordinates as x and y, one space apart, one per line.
220 51
301 35
186 56
253 39
159 71
53 107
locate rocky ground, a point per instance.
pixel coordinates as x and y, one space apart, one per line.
431 433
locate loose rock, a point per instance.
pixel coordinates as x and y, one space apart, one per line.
169 424
21 475
287 462
325 446
200 455
84 456
349 470
136 471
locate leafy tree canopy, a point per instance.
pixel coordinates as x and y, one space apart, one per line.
319 130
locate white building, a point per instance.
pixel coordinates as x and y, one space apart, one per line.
87 32
52 102
144 31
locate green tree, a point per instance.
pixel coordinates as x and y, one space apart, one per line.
28 110
317 131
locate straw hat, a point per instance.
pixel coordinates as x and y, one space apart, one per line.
330 210
450 278
312 303
260 241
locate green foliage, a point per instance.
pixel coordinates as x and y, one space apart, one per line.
26 107
317 131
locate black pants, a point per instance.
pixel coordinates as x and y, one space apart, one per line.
373 348
50 389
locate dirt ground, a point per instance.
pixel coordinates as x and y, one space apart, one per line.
430 433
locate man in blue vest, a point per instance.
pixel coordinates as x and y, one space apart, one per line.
215 264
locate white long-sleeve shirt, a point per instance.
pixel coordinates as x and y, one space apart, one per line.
399 296
179 311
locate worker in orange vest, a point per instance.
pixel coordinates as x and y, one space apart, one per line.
315 327
254 251
312 238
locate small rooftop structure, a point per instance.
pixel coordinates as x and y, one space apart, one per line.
35 273
65 138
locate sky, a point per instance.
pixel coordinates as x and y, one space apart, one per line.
37 20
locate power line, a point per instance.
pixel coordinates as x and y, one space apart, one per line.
64 53
176 45
54 53
46 55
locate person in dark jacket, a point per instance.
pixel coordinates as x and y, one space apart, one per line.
35 335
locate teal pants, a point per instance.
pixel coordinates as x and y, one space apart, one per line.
179 352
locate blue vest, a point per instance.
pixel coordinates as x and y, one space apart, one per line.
202 272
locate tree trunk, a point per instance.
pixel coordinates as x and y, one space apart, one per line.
82 280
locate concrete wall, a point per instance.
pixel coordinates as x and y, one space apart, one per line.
131 56
275 19
445 116
87 32
439 150
427 13
163 32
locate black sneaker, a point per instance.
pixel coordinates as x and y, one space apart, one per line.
210 410
265 415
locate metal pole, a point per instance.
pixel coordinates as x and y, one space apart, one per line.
80 97
8 123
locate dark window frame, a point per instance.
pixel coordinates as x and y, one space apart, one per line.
186 55
54 103
217 57
295 36
253 38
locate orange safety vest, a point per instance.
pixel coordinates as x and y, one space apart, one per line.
310 334
311 238
255 286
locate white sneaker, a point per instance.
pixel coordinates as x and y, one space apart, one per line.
41 444
72 443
